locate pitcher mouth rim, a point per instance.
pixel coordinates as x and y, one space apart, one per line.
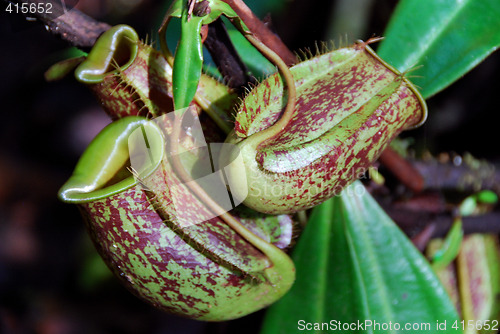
106 155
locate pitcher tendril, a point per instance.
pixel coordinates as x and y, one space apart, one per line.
290 83
265 247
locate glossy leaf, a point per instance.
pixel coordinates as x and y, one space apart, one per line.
450 247
446 38
447 275
63 67
188 61
353 263
251 57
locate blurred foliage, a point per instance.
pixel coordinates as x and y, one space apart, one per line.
355 265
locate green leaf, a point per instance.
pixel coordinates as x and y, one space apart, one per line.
253 59
188 62
60 69
446 38
256 63
487 197
353 263
450 247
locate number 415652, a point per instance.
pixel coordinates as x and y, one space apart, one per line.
476 325
29 8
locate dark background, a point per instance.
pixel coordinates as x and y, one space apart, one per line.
51 280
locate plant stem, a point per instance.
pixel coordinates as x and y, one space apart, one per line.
225 56
73 26
290 85
465 177
403 170
265 247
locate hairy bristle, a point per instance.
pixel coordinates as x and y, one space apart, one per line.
320 48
